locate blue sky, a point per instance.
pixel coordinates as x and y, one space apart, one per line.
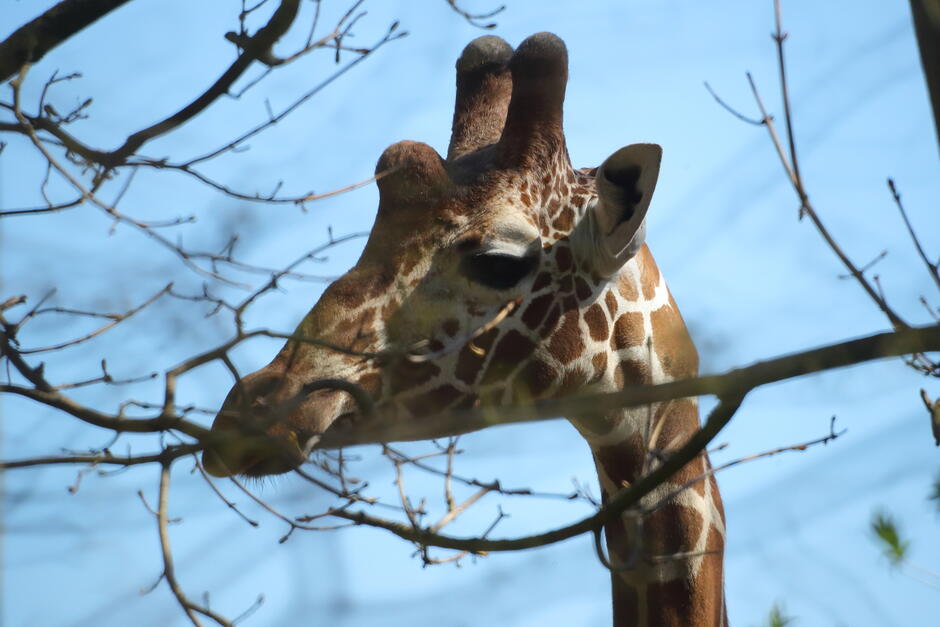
752 281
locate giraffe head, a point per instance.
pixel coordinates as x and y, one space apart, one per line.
486 280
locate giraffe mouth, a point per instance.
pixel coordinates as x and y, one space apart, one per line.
253 455
263 467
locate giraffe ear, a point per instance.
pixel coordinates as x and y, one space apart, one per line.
625 184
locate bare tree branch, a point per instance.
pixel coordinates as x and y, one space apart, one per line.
617 504
732 383
169 570
30 42
254 47
115 319
926 14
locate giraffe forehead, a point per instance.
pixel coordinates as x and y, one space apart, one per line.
499 212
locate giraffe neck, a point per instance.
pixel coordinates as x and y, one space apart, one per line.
666 554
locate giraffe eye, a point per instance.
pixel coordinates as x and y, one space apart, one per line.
497 270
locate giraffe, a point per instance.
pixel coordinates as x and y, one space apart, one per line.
505 229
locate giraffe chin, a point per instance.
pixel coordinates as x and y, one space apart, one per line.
253 456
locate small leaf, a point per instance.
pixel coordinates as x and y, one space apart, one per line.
886 532
778 617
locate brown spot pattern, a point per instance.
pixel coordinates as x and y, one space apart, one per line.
628 331
549 325
649 274
582 289
535 312
672 343
565 220
469 362
627 289
632 372
563 258
572 381
433 401
626 598
599 363
611 302
679 602
513 349
597 322
450 327
679 421
406 376
672 528
536 377
622 462
672 603
566 344
542 281
698 467
371 383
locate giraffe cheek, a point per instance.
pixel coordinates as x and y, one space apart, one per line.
407 376
434 401
513 349
471 358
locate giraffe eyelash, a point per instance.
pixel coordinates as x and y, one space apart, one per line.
498 270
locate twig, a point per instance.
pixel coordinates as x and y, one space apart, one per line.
169 572
48 209
390 35
454 512
504 311
808 210
256 46
618 503
932 268
724 105
167 454
801 447
474 19
868 266
13 301
115 320
106 377
494 486
218 493
293 524
89 194
779 37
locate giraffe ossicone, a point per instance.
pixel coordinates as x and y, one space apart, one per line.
505 219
